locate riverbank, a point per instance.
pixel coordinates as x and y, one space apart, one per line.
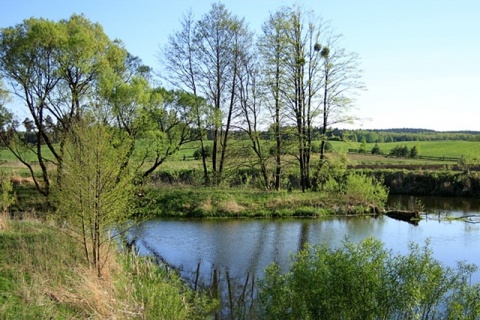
191 202
420 182
44 275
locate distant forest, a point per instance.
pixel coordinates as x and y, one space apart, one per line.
400 134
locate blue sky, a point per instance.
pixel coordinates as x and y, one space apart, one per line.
421 59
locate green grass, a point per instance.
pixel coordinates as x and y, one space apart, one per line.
446 148
44 275
187 201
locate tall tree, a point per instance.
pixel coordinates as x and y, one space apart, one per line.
273 51
251 111
220 36
287 46
54 67
209 53
182 70
341 83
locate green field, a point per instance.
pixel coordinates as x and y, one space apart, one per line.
446 148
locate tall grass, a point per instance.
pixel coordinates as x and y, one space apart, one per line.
44 275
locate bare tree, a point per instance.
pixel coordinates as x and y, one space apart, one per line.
204 57
293 68
181 70
341 83
273 51
251 112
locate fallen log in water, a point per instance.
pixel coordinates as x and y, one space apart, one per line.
409 216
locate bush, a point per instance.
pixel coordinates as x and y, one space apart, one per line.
360 188
316 147
197 154
413 152
376 149
334 179
366 281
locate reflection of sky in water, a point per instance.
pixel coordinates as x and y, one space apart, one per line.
241 246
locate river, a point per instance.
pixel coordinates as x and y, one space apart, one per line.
232 253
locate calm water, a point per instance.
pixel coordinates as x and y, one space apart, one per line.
211 251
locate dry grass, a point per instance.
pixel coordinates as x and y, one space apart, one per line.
3 221
47 277
50 274
19 180
207 205
231 206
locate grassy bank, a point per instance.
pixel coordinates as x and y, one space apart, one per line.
192 202
44 275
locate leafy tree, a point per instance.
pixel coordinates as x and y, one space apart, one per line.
399 151
96 190
363 146
376 149
197 154
413 153
55 69
167 124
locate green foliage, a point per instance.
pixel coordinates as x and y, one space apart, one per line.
366 281
360 188
56 69
376 149
333 178
208 149
363 146
95 189
159 292
399 151
413 152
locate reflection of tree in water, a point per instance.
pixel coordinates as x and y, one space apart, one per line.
304 229
236 294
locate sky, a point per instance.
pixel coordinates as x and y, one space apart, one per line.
420 59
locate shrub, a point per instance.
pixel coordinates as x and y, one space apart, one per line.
376 149
197 154
366 281
413 152
360 188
